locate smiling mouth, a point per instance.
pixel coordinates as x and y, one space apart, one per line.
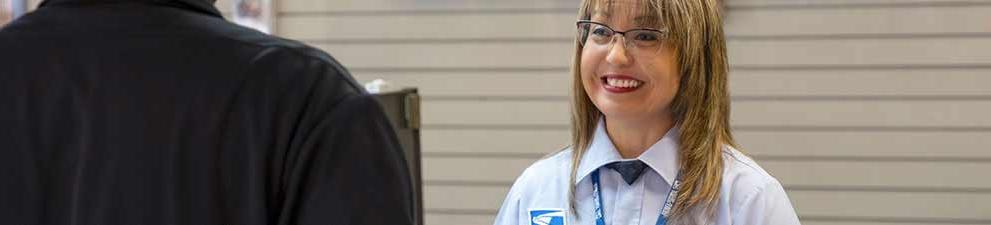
621 84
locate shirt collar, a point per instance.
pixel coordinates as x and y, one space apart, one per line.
662 157
201 6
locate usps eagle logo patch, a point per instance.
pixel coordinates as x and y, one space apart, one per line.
547 217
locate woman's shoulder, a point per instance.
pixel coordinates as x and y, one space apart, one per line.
542 185
736 161
545 172
744 177
750 193
550 165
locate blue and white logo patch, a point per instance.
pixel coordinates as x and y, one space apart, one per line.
547 216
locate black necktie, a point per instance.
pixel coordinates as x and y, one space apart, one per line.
630 170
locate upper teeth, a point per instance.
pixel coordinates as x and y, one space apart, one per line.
623 83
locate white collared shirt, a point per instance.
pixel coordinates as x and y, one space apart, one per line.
748 196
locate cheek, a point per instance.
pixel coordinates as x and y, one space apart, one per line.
589 64
667 77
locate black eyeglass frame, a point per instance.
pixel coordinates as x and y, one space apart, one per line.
583 34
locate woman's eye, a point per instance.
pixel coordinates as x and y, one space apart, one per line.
646 36
601 31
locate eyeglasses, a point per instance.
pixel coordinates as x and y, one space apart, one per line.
597 34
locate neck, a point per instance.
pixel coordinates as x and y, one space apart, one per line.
632 137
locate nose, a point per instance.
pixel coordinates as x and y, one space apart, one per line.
618 54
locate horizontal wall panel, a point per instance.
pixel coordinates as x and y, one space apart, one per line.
455 219
835 23
439 26
879 3
761 53
512 84
495 170
946 83
495 112
746 113
863 113
309 6
812 144
928 144
828 175
456 55
934 176
444 197
899 82
532 142
861 52
897 205
902 206
838 22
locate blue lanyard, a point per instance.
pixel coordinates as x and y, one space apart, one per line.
662 219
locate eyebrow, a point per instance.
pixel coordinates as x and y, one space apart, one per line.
646 21
641 21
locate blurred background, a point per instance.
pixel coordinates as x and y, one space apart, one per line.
870 112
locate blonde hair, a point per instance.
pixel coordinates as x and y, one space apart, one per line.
700 108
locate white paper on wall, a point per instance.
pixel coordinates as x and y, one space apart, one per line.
257 14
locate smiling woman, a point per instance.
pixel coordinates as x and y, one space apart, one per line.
649 100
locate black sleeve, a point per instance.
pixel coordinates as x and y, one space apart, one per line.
347 166
355 173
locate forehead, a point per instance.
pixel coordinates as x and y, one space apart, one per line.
624 11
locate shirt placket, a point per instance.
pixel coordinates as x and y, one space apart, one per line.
628 208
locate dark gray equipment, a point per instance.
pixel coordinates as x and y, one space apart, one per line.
403 109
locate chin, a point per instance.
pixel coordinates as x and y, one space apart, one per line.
618 110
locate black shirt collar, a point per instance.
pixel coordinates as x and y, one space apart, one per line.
201 6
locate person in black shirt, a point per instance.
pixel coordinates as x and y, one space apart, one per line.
161 112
